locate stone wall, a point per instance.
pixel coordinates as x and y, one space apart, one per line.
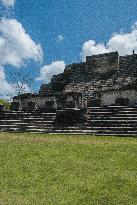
75 67
46 89
72 73
73 100
70 100
109 98
93 69
102 63
93 80
39 102
128 62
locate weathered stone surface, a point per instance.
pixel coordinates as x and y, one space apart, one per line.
98 96
46 89
110 97
87 84
102 63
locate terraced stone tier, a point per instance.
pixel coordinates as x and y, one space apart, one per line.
112 120
27 121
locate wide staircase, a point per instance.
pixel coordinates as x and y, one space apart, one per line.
27 121
111 120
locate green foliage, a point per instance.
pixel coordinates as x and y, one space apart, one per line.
5 103
67 170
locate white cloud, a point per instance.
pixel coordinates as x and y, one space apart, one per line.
8 90
48 71
124 43
8 3
16 46
60 38
5 87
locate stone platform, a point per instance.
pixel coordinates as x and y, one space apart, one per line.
111 120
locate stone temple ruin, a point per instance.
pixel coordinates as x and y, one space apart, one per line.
98 96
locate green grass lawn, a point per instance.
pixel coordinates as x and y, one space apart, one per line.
67 170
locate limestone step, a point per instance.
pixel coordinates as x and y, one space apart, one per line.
125 114
99 128
36 118
112 118
29 114
107 126
27 117
99 113
129 133
123 117
10 129
8 120
40 130
24 126
33 115
111 128
128 110
28 121
11 125
111 125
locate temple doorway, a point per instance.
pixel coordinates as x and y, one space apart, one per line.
15 106
31 105
94 103
122 102
49 105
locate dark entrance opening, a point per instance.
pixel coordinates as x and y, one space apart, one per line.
1 107
70 104
49 105
15 106
94 103
31 105
122 101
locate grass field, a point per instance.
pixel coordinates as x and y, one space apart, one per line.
67 170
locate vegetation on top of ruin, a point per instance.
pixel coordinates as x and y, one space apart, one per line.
5 104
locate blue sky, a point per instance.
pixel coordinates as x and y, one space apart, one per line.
77 21
62 27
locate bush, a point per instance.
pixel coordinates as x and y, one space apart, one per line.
5 104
